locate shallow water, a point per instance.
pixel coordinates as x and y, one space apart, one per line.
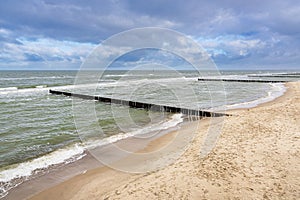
38 129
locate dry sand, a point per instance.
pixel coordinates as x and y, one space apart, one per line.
256 157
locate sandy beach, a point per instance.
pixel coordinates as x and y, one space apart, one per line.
256 157
142 100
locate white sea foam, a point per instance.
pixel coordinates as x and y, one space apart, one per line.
60 156
233 76
175 120
76 151
41 86
277 90
35 77
76 87
26 168
116 75
8 89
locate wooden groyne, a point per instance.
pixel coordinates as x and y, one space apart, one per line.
275 76
242 80
147 106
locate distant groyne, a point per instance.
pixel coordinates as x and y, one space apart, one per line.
241 80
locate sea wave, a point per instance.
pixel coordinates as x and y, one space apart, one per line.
26 168
32 89
8 89
34 78
77 87
160 126
277 90
13 176
116 75
71 154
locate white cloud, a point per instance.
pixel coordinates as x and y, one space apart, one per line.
230 29
231 45
4 32
46 49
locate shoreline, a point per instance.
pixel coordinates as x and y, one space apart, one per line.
69 163
161 140
58 173
262 100
228 171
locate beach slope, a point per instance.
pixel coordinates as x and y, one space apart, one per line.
257 156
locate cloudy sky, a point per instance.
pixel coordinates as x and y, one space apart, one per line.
49 34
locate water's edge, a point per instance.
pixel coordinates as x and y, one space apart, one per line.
77 154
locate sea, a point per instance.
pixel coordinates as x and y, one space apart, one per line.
37 129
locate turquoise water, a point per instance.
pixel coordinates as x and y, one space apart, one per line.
35 123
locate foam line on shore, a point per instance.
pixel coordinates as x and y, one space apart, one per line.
71 154
277 90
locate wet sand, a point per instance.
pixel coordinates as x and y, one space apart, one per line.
256 157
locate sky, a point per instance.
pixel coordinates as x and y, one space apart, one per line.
48 34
